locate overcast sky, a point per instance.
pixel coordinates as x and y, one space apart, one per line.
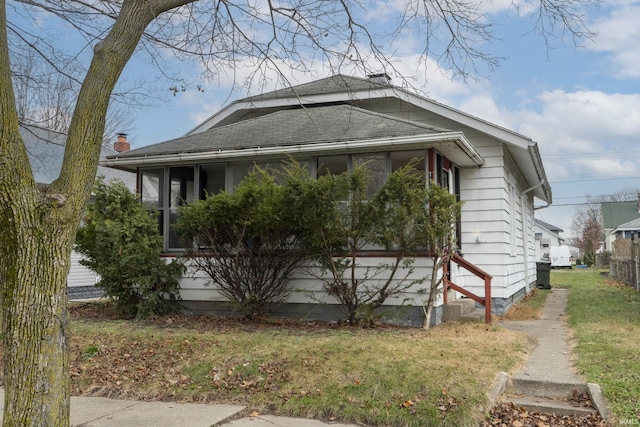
580 103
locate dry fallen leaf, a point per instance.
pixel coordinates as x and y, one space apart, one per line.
407 404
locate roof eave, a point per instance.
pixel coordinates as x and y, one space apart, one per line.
457 138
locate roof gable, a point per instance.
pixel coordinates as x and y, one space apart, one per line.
263 117
334 84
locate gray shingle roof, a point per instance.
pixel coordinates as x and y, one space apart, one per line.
334 84
45 149
295 126
548 226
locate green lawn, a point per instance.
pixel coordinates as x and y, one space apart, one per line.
379 376
376 377
606 319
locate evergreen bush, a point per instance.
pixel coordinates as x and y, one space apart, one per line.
246 243
122 244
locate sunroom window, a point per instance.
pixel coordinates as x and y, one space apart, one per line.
334 165
378 167
152 192
165 189
181 192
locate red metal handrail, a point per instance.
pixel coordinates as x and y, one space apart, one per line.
486 301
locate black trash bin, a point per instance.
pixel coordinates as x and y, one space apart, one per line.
543 270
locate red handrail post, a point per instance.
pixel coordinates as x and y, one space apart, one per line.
487 299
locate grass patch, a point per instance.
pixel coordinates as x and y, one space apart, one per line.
384 377
530 307
91 351
605 316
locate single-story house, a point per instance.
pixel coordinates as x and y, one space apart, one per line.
45 149
547 235
336 121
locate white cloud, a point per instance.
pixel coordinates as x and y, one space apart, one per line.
588 117
484 107
584 135
618 34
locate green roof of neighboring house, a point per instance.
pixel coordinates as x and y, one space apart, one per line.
617 213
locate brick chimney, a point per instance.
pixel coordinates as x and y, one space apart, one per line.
121 145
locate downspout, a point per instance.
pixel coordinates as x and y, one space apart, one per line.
525 252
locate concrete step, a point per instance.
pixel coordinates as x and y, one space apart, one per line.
549 406
455 309
551 390
477 315
550 397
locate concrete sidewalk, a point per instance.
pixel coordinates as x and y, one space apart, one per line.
549 376
551 360
104 412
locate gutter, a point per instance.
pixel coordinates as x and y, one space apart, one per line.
543 181
457 138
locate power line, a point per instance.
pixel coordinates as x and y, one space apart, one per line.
585 179
607 154
600 196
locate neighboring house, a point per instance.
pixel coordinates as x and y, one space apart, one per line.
332 123
628 230
547 235
615 214
45 149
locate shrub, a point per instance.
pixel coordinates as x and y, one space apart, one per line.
122 244
340 221
246 243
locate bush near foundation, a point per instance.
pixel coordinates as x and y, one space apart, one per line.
121 241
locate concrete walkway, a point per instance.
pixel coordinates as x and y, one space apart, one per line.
549 376
551 360
103 412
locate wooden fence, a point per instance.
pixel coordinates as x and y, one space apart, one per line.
623 265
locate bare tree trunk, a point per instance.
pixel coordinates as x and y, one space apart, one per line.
35 323
38 226
438 262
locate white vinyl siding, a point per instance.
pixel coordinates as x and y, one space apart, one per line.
307 288
79 275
